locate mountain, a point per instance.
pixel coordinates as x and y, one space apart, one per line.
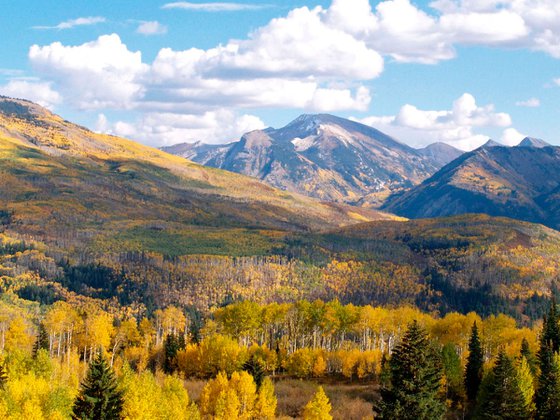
533 142
64 184
327 157
518 182
440 153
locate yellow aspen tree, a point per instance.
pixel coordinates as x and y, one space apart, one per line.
244 386
211 392
227 406
265 406
319 408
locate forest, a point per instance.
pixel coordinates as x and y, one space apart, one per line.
68 360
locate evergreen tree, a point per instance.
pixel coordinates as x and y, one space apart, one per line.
319 408
528 355
99 397
551 327
547 397
254 367
170 349
501 396
415 380
475 363
42 341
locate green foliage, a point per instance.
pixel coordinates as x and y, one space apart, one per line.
173 343
99 398
415 380
475 363
547 397
502 396
254 367
42 341
453 372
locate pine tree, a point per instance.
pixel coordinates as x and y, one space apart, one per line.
547 398
528 355
42 341
319 408
171 347
551 327
475 363
501 396
254 367
415 380
99 397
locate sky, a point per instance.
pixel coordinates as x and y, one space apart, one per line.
164 72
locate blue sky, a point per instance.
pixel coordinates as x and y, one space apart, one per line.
160 72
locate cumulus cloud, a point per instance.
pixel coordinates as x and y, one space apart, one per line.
164 129
72 23
97 74
529 103
151 28
317 59
213 7
512 137
456 126
36 91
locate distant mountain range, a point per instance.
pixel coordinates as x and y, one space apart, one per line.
327 157
521 182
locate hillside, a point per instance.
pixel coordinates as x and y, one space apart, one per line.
66 184
327 157
92 218
520 182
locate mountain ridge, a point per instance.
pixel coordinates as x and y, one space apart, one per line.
518 182
327 157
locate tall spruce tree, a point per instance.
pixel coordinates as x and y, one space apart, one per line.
551 327
99 397
475 364
501 396
173 343
42 340
415 380
547 397
254 367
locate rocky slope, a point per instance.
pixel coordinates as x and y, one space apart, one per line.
327 157
521 182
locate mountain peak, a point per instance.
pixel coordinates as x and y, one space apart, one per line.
492 143
533 142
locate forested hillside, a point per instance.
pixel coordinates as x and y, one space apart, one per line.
160 282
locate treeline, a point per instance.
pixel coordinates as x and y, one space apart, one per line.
463 363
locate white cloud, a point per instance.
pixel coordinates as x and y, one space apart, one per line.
72 23
39 92
164 129
151 28
213 7
456 126
512 137
529 103
556 81
97 74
